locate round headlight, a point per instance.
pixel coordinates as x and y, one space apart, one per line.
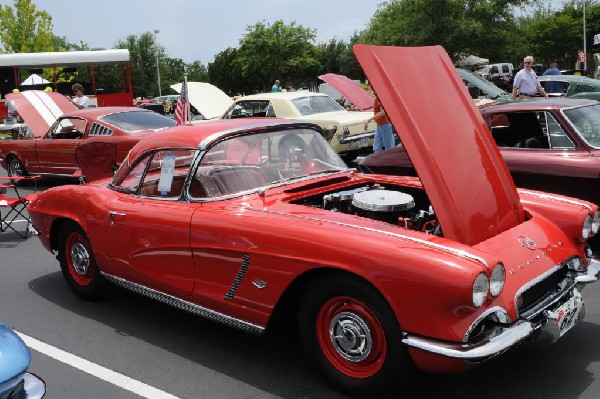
586 231
481 288
497 280
596 222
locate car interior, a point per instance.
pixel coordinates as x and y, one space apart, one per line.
529 129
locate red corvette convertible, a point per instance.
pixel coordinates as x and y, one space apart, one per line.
245 221
59 129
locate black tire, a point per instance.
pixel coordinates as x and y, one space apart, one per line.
15 168
78 264
370 360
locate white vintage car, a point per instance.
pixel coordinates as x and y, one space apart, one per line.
344 130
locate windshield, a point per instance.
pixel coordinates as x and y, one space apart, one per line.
251 161
488 89
587 121
134 121
316 104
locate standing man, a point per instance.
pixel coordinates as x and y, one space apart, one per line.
553 87
276 87
526 83
384 134
79 100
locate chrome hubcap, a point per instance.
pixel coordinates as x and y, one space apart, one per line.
14 168
350 336
80 258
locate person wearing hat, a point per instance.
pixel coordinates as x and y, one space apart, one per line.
79 100
526 84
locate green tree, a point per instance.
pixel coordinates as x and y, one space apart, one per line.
329 55
224 74
277 51
461 26
197 72
142 53
24 29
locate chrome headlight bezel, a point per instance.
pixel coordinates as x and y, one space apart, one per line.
586 229
481 289
497 279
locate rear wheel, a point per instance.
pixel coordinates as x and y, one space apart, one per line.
79 265
350 331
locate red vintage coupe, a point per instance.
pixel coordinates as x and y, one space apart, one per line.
58 129
550 145
245 221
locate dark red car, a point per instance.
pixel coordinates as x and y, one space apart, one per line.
548 144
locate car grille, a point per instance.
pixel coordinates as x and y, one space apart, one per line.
538 296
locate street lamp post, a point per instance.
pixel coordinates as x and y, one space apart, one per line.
157 69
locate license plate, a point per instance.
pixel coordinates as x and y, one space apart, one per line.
567 314
364 142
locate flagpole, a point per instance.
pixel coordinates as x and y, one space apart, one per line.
584 47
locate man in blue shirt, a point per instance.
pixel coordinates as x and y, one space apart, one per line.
526 84
553 87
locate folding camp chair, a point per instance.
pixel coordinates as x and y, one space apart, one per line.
96 160
15 206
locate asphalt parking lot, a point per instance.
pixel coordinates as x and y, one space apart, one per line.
129 346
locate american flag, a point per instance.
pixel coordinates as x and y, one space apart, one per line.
182 112
581 56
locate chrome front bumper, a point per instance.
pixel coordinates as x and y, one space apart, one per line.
355 137
33 386
545 331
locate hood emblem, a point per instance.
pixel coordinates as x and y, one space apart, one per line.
527 242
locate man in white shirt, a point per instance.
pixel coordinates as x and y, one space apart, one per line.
80 101
526 82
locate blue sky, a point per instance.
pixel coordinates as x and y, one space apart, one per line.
195 29
198 30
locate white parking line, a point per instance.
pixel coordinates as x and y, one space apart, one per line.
118 379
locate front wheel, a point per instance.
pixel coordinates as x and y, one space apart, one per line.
352 334
15 168
79 265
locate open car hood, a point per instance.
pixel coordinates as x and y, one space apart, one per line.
348 88
209 100
40 109
460 166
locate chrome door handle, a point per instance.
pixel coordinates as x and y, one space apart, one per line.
112 214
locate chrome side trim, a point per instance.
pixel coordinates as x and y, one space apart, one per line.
455 251
555 198
355 137
185 305
476 352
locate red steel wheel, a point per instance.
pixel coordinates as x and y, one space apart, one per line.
78 258
78 263
351 337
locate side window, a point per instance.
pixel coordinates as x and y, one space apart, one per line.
557 136
246 109
131 181
68 128
166 173
504 68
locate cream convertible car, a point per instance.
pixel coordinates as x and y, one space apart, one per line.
344 130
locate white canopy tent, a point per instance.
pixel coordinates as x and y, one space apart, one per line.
34 79
471 60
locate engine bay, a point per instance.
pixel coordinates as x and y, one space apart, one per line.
400 206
